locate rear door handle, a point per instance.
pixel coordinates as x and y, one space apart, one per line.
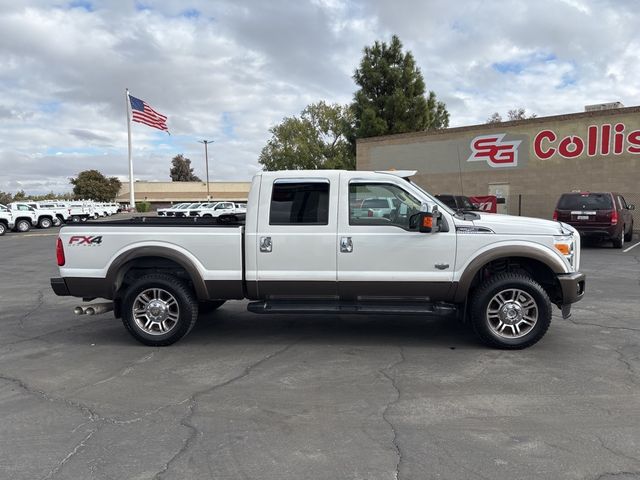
346 245
265 244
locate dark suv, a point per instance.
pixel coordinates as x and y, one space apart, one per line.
457 202
605 216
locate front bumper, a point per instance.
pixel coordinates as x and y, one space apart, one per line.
573 287
59 287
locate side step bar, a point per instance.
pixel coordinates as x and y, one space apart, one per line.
343 308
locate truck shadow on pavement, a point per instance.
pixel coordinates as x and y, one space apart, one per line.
226 327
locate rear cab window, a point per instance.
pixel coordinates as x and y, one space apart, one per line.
298 202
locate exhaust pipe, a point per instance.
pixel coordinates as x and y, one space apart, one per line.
93 308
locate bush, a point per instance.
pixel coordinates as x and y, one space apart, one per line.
143 206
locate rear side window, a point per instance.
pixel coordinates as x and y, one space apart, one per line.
585 201
299 203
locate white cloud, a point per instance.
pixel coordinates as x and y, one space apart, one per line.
228 71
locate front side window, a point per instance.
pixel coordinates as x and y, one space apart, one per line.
381 204
299 203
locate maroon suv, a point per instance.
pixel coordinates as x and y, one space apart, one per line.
605 216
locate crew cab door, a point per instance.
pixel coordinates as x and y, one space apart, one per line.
296 236
380 257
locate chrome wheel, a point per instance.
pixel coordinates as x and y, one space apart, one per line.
156 311
512 313
23 226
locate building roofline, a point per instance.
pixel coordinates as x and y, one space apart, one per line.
512 123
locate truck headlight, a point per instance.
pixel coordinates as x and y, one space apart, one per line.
565 244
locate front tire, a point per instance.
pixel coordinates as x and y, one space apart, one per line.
159 309
3 229
510 311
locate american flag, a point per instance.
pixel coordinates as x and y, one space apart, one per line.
143 113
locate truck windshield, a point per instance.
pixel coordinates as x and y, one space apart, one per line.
441 205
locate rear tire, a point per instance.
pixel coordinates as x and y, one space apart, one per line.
45 223
619 241
510 311
629 236
159 309
23 226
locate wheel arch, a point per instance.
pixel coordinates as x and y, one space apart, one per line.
542 267
157 258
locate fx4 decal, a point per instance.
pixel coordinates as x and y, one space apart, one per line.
85 240
494 151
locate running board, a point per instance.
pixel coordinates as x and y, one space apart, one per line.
343 308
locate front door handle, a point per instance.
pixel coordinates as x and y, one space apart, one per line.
265 244
346 245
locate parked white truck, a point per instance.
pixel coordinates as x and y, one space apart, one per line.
6 220
215 209
305 248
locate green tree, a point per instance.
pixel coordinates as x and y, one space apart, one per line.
514 114
5 198
20 196
181 170
91 184
318 139
391 98
494 118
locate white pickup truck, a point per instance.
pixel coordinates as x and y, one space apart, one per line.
305 248
6 220
216 209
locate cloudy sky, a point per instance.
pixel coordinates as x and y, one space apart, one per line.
229 70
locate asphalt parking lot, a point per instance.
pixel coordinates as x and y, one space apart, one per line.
276 397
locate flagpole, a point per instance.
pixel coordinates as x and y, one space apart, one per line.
132 201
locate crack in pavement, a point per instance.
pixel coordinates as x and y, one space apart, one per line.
608 327
92 417
627 364
121 372
615 474
78 447
39 302
616 452
390 404
42 336
193 404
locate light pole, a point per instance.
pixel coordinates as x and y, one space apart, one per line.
206 162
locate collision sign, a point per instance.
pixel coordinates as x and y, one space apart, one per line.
601 140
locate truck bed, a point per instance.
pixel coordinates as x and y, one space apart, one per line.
208 249
235 220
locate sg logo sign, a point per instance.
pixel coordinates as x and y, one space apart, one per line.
493 150
85 240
